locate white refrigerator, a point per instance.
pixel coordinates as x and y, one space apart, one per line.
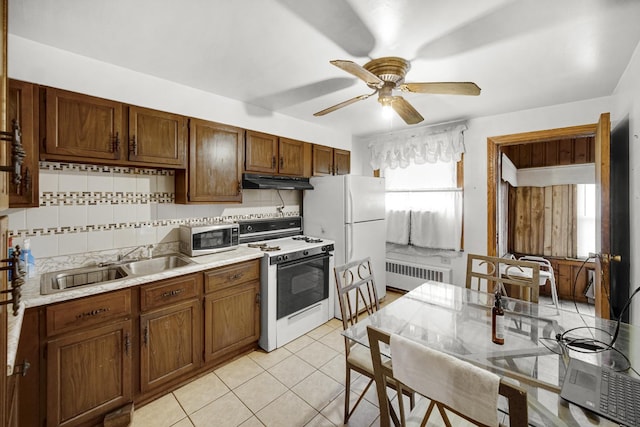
349 210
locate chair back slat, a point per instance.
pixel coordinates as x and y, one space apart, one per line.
485 273
357 294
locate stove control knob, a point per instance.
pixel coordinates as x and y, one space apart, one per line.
305 253
286 257
279 258
249 228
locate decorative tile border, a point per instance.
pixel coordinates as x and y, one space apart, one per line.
83 167
133 225
77 198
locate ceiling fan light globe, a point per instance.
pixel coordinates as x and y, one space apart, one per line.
387 111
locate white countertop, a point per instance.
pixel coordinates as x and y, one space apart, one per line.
31 296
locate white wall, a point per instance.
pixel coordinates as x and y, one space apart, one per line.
627 104
38 63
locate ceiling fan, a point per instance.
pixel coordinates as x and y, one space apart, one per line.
386 74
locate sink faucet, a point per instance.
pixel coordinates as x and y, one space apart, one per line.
149 249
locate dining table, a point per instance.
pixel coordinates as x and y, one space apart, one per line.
538 342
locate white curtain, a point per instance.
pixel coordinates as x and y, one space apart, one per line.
422 145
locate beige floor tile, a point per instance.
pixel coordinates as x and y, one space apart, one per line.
334 323
259 391
298 344
164 411
291 371
360 383
319 332
364 415
287 410
320 421
317 354
272 358
335 368
185 422
227 411
334 339
318 390
239 371
200 392
252 422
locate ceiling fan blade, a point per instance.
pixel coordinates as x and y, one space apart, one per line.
342 104
357 70
446 88
405 110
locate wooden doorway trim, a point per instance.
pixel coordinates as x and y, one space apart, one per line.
493 148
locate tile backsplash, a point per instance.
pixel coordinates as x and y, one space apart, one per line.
88 208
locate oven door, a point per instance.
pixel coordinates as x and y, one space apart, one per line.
302 283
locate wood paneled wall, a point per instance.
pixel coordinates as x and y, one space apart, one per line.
542 220
552 153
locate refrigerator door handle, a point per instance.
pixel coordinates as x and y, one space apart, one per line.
350 244
349 212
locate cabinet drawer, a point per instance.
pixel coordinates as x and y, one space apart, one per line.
68 316
169 291
232 275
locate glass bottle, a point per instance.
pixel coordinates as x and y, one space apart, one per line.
497 321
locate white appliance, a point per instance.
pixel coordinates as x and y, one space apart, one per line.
349 210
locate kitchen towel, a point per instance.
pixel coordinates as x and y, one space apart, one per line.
398 227
460 385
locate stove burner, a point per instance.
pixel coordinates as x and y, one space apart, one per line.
307 239
266 248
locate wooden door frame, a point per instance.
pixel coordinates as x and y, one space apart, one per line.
494 143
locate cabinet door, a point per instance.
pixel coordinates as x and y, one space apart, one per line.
322 160
170 343
23 106
341 161
232 320
157 137
83 126
88 374
215 162
261 152
291 157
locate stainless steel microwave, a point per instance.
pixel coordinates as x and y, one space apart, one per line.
202 239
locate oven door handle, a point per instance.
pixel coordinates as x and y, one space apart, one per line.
303 260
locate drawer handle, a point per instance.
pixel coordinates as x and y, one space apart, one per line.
172 293
235 276
92 313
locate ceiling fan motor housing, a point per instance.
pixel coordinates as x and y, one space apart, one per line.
390 69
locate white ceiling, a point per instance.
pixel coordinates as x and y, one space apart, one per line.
275 53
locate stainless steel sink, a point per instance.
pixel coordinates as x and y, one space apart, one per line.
156 265
58 281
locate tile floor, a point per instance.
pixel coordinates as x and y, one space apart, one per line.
300 384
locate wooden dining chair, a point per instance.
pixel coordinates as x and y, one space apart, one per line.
454 400
358 298
515 278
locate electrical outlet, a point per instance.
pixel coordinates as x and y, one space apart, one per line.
445 260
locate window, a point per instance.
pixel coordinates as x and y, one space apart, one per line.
424 205
586 218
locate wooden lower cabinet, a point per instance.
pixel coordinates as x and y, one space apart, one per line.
232 320
170 343
88 373
93 355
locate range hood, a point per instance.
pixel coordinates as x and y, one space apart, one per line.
253 181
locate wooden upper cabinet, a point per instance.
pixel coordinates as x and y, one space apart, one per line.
23 107
330 161
215 164
261 152
341 161
270 154
322 160
83 126
292 157
157 137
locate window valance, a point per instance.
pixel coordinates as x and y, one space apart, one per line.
426 145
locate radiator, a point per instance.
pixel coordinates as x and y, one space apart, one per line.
407 276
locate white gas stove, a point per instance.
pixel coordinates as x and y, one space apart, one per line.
297 282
